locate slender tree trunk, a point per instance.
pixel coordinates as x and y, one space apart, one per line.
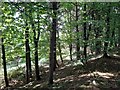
70 47
88 33
98 43
36 40
53 44
27 47
4 63
119 40
112 42
59 47
54 27
85 34
28 60
77 31
89 25
29 63
96 29
55 60
0 51
27 57
107 32
36 61
36 56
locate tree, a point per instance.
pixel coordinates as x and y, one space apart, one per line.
70 45
59 47
85 32
27 53
36 40
107 31
27 47
29 27
77 31
52 58
4 63
0 51
96 26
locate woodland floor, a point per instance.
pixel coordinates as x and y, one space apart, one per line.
99 74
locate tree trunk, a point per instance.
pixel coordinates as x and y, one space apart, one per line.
36 42
70 47
0 51
54 27
70 32
4 63
85 33
119 40
97 32
36 61
28 60
59 48
113 41
107 32
52 64
29 63
77 32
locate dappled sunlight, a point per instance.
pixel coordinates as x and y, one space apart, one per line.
58 80
59 46
67 78
116 55
100 74
75 76
70 75
38 85
96 57
62 68
89 87
13 82
104 75
30 84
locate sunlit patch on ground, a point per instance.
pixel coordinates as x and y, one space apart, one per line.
100 74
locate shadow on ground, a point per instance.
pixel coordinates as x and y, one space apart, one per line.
98 74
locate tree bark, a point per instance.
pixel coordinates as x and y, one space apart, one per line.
77 32
36 61
59 47
36 40
70 32
70 47
0 51
54 27
4 63
52 64
85 33
107 32
119 39
97 35
28 59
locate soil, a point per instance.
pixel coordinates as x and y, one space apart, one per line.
98 74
